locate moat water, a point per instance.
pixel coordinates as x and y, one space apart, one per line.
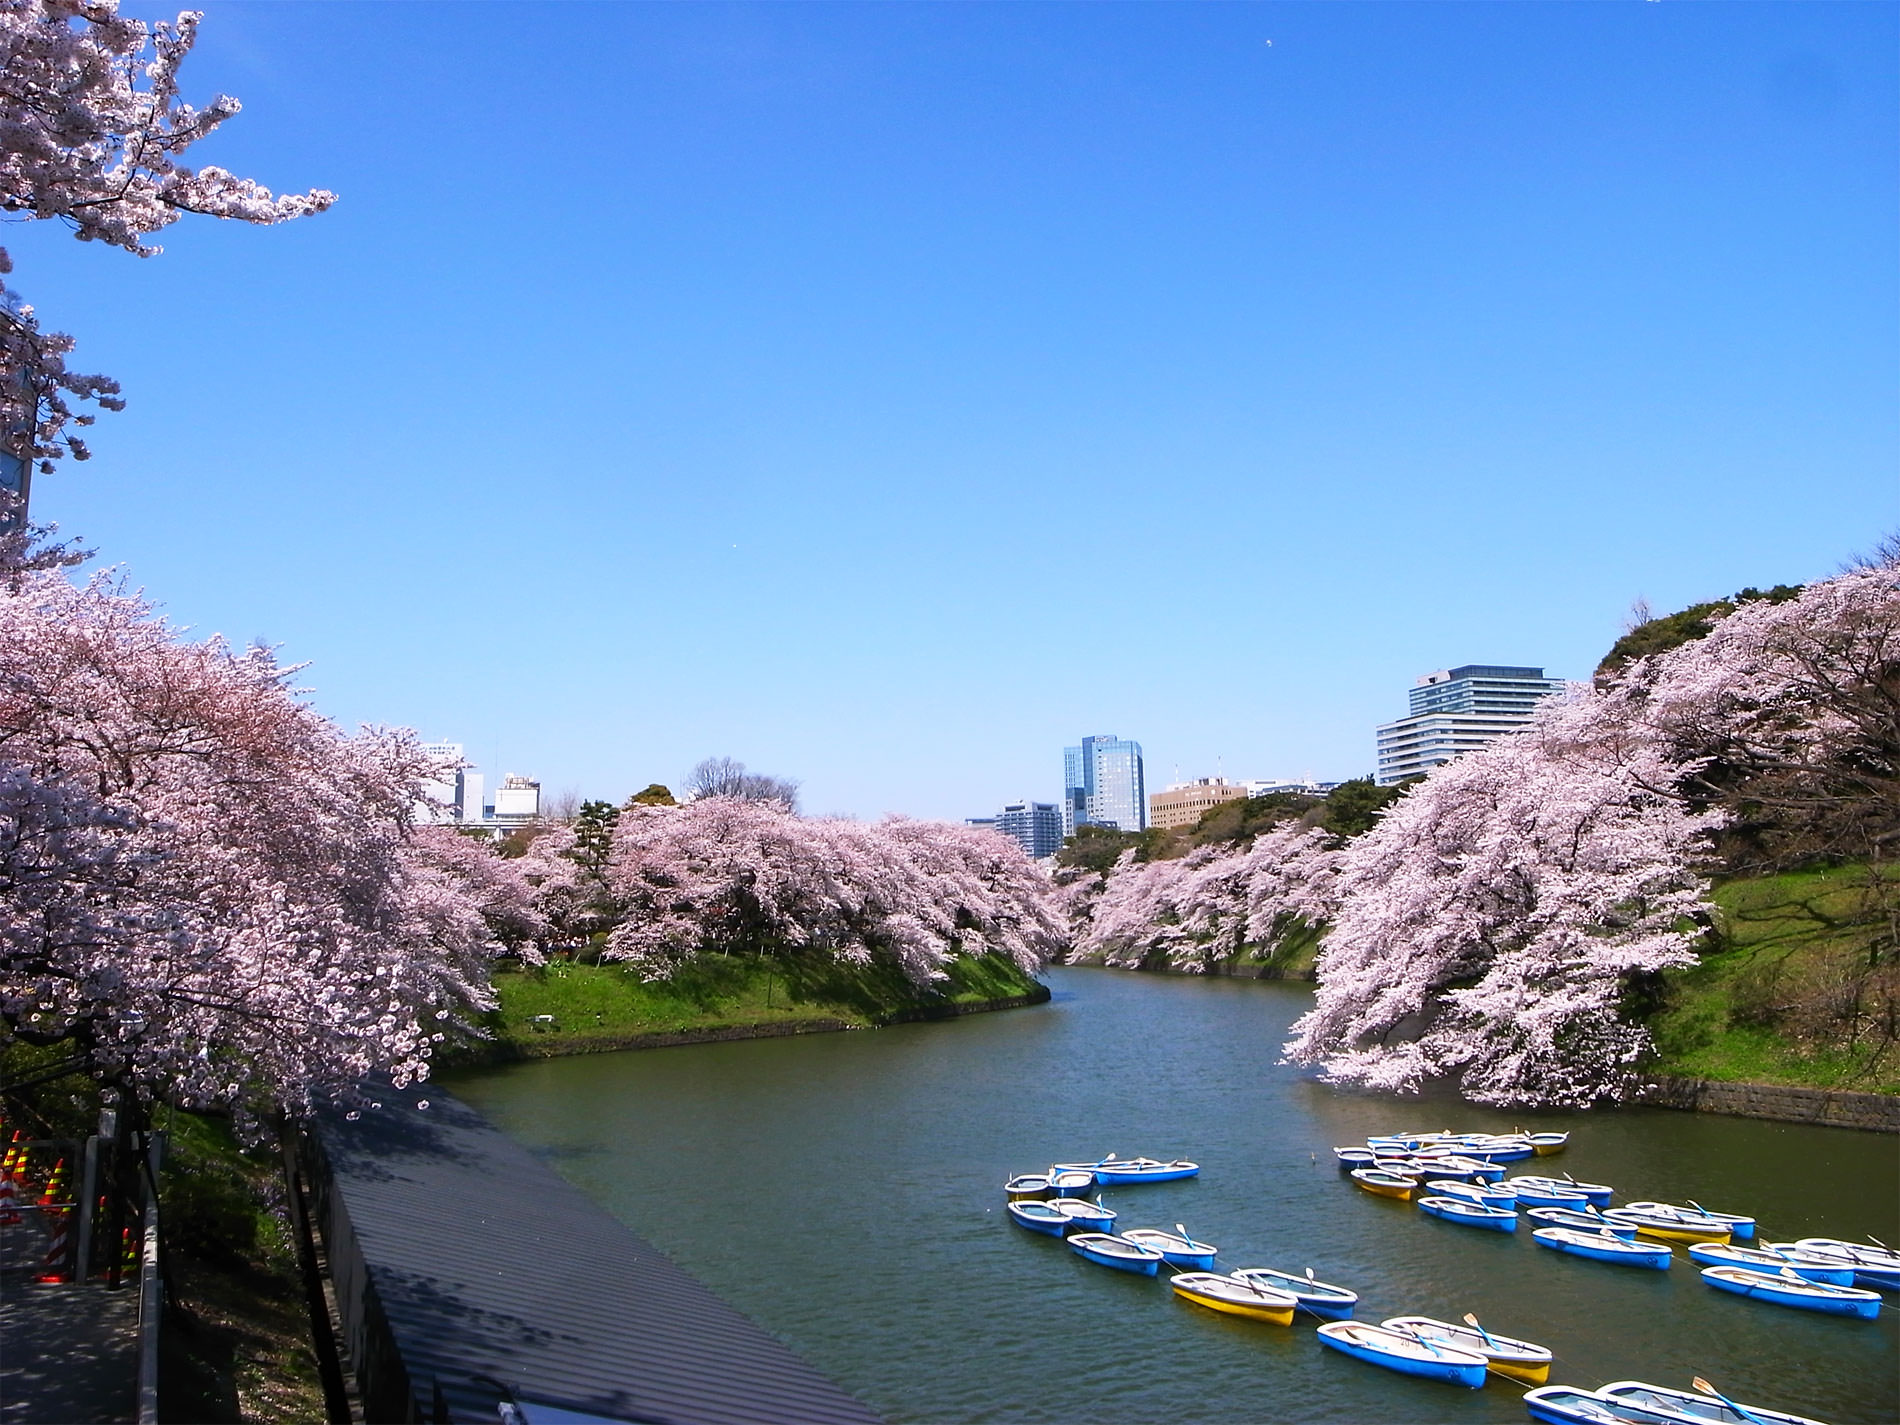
845 1190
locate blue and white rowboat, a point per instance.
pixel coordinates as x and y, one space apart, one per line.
1112 1251
1089 1216
1350 1158
1537 1194
1177 1249
1721 1254
1566 1405
1581 1221
1404 1352
1784 1288
1469 1214
1597 1194
1602 1247
1315 1297
1070 1182
1697 1409
1039 1216
1482 1193
1124 1171
1874 1265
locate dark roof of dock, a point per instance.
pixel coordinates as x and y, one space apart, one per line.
492 1270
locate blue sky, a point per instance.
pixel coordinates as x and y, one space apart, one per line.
890 395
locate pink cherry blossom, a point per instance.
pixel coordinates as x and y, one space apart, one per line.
725 873
212 893
91 134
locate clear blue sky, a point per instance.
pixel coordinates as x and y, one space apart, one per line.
889 395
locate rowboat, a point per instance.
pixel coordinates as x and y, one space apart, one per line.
1179 1250
1581 1221
1566 1405
1668 1229
1028 1185
1602 1247
1091 1216
1039 1216
1538 1194
1315 1297
1350 1158
1070 1182
1112 1251
1784 1288
1386 1184
1499 1150
1482 1193
1520 1360
1699 1409
1721 1254
1545 1144
1455 1165
1143 1170
1874 1265
1596 1193
1469 1214
1236 1296
1741 1229
1398 1351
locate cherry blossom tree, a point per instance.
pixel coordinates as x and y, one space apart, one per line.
91 134
730 874
1196 911
1487 930
212 895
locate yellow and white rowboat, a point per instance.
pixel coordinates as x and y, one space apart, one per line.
1236 1296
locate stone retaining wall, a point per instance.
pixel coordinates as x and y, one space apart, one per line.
1784 1103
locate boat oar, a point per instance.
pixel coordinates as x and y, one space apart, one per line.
1741 1410
1471 1320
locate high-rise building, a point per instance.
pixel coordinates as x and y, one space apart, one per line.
1458 710
1102 785
443 795
1035 826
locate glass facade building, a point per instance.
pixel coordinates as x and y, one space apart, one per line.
1458 710
1035 826
1102 785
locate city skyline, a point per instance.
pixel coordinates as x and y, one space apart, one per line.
1417 335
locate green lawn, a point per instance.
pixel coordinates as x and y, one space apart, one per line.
604 1006
1765 1005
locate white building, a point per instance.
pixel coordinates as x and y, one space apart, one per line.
517 799
1459 710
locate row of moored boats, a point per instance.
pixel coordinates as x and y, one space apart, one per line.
1446 1174
1462 1178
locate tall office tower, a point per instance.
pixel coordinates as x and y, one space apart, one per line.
1102 785
443 795
1458 710
457 795
1035 826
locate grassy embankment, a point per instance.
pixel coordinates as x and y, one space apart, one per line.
1766 1004
599 1007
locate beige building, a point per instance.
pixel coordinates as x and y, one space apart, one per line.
1184 802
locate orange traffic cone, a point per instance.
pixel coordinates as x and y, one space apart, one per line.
55 1184
129 1263
53 1268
